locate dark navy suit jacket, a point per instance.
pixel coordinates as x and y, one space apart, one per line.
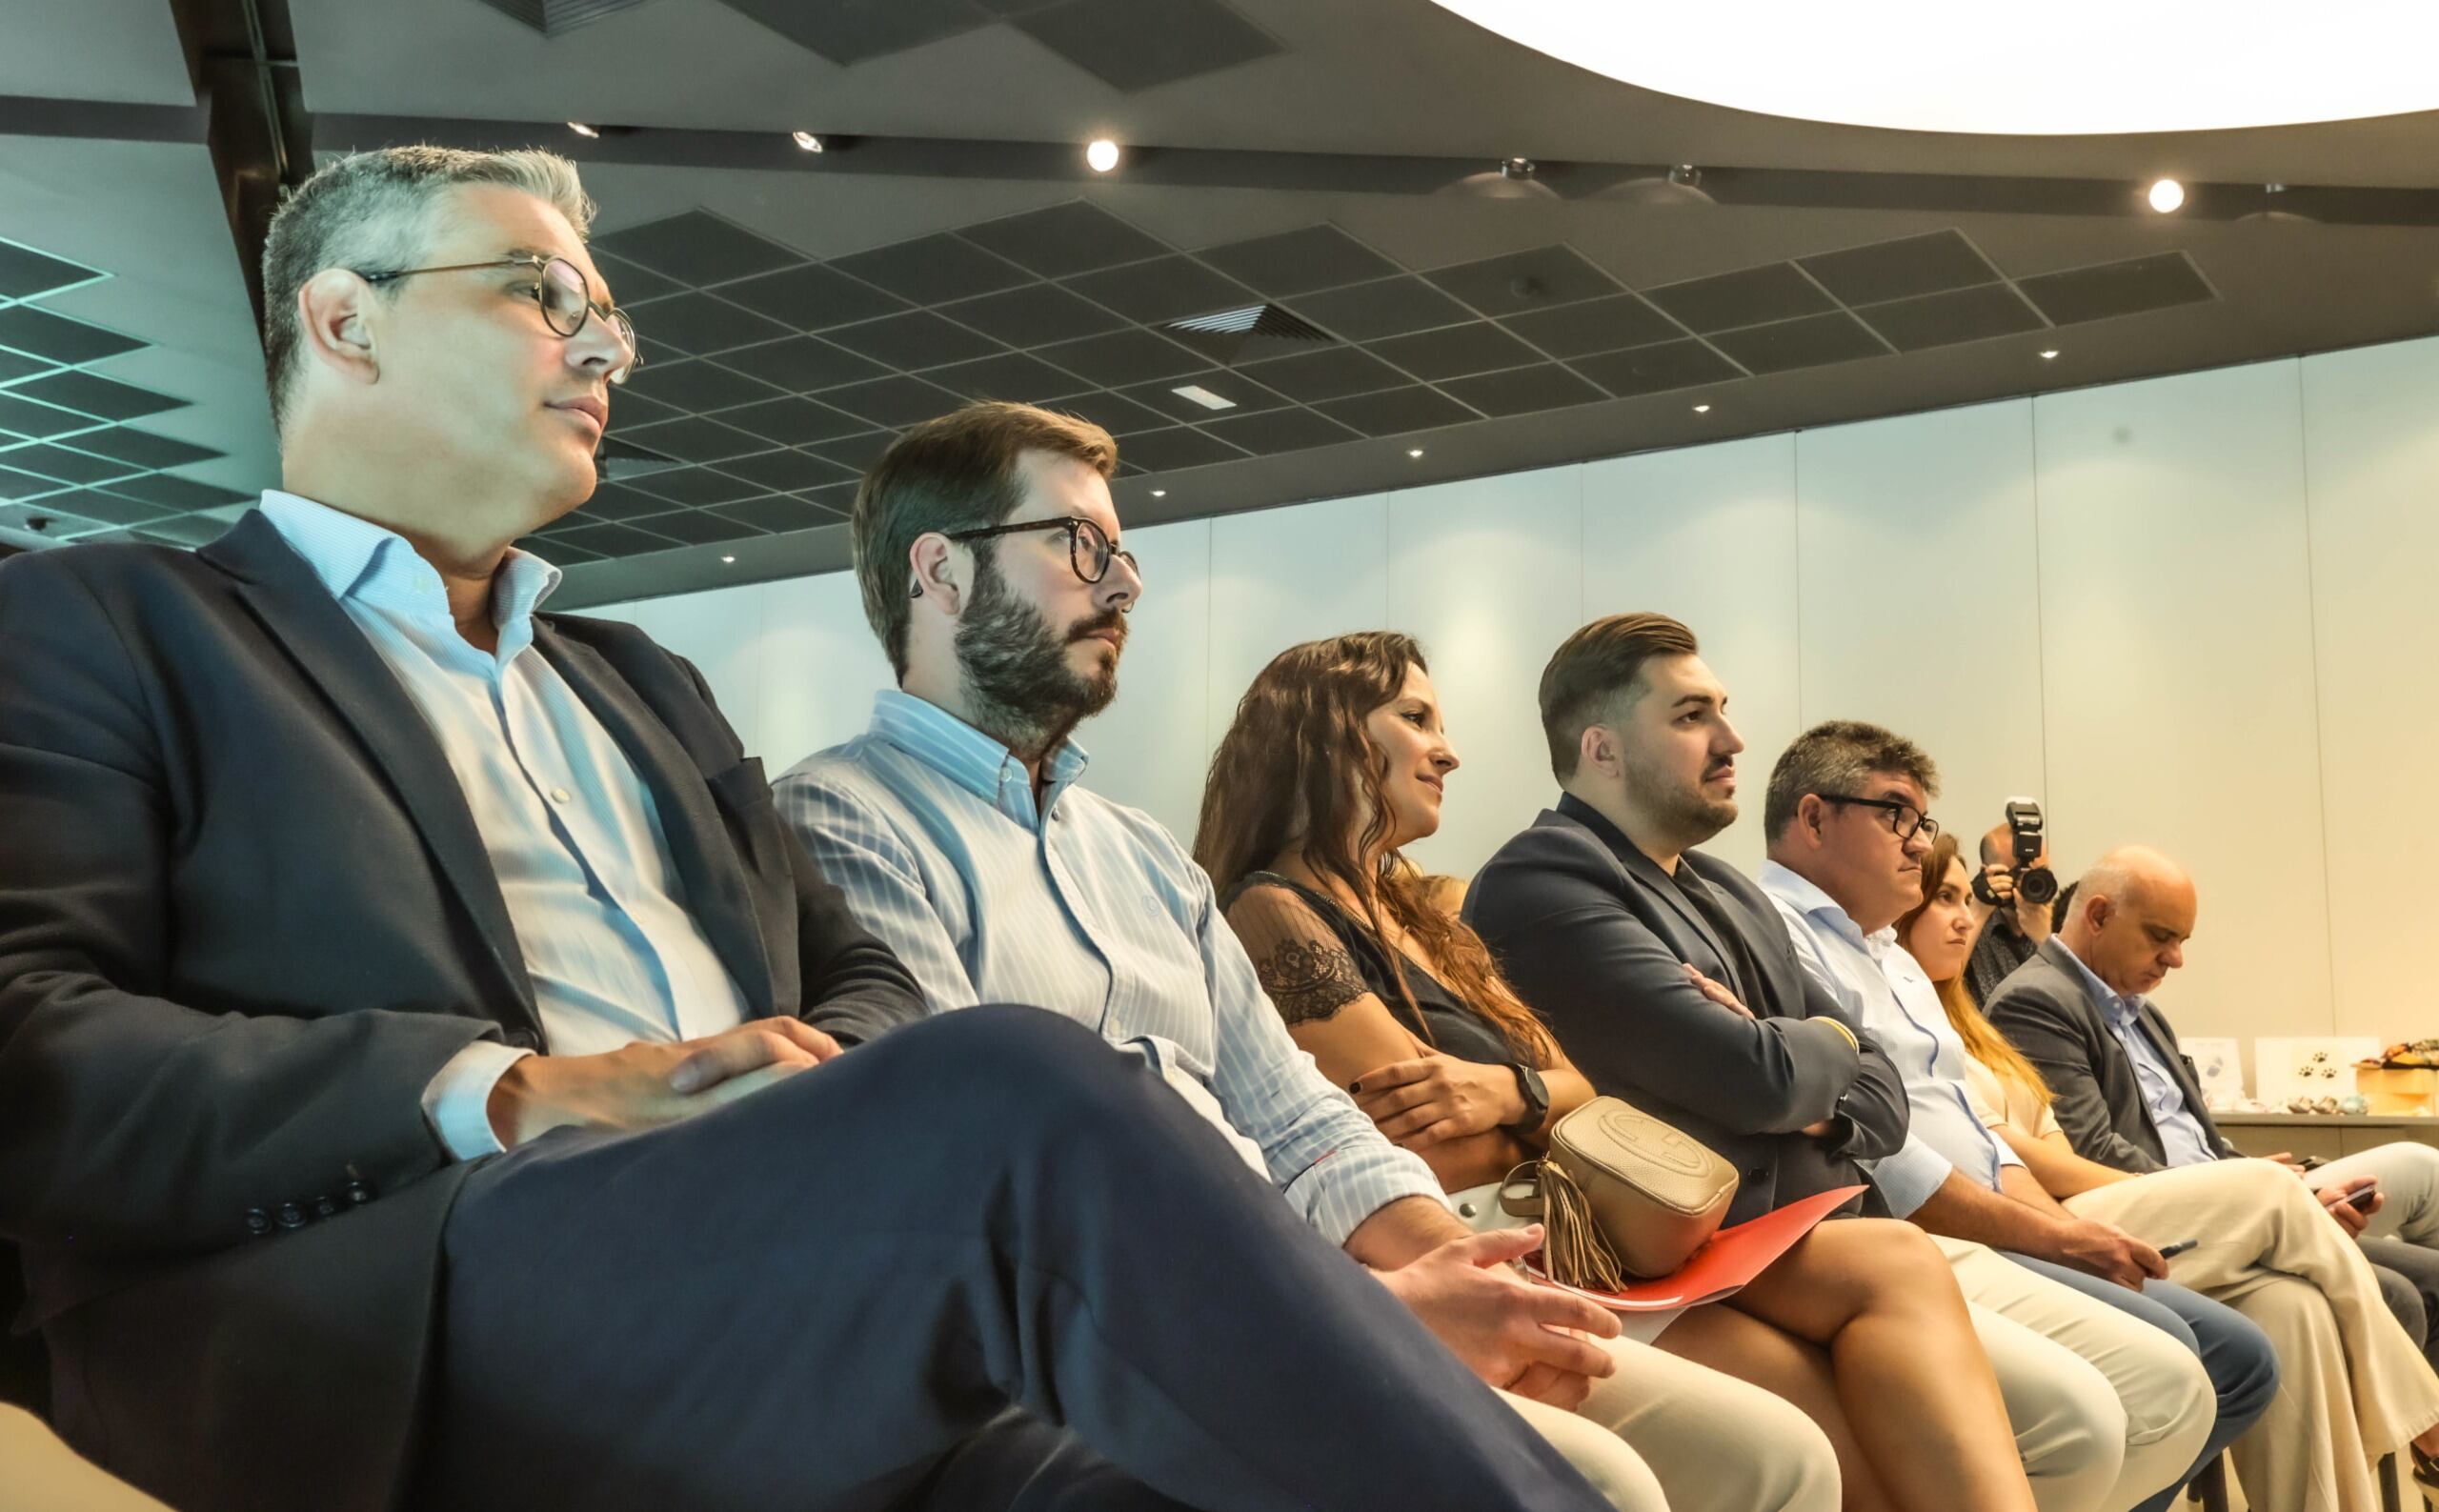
1594 937
245 917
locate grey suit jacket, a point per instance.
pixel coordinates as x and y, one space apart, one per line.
2047 1012
1592 934
245 917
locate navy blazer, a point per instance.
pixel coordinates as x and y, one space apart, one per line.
1594 937
245 917
2046 1010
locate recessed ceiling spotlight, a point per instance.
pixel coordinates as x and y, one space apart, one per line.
1160 492
2165 195
808 141
2049 355
729 559
1702 409
1100 154
589 132
1413 450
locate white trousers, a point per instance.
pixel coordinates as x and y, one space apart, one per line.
2106 1409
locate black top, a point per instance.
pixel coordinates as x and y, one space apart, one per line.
1447 1022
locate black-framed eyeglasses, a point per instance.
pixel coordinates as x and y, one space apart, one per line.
1904 818
563 293
1089 550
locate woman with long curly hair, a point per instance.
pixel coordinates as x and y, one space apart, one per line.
1336 759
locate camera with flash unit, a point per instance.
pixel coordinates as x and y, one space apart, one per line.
2034 885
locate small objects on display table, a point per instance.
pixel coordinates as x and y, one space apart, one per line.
2401 1078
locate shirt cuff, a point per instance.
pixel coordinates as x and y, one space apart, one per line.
2006 1152
458 1100
1907 1179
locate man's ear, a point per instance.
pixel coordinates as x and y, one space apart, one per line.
938 573
1597 748
334 314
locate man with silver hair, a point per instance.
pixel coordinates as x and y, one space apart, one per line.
406 998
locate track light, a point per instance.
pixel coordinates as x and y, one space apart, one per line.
1160 492
1702 409
2049 355
2166 195
808 141
1413 450
1100 154
588 132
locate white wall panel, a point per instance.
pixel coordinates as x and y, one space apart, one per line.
1149 747
1919 563
820 667
1285 575
2371 460
2177 671
1706 534
1488 575
720 631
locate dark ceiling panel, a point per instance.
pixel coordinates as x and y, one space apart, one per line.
630 283
1175 448
1959 315
1163 289
1011 375
933 269
691 387
1596 325
1274 431
44 334
179 492
812 298
611 540
798 364
695 439
1656 369
1751 296
1524 391
777 514
36 419
1244 395
1332 374
793 421
1115 414
697 248
696 527
15 484
782 471
1904 269
1527 280
67 464
893 401
1121 357
1137 44
1386 307
629 406
143 447
15 365
700 324
853 30
915 339
2127 288
1071 238
1299 262
1032 316
25 272
620 501
92 394
696 486
1811 342
1454 351
111 508
1395 412
857 451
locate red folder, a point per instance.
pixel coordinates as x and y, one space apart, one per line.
1731 1258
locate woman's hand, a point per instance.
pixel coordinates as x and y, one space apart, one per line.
1419 1104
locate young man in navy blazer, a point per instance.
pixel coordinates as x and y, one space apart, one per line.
430 1073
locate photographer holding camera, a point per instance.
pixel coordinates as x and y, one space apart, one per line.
2017 895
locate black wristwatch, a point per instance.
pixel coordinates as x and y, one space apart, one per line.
1537 1098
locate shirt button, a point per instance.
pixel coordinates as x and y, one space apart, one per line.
559 795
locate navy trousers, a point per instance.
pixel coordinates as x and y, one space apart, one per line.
2243 1367
985 1261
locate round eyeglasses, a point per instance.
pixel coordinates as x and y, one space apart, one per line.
1904 818
1089 550
562 292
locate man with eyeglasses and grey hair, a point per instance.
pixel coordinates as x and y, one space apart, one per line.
432 1075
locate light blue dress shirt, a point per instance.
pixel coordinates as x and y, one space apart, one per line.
1089 910
569 825
2181 1135
1874 979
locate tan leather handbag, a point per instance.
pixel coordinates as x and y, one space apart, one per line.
1622 1196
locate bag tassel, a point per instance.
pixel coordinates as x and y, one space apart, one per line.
1576 1252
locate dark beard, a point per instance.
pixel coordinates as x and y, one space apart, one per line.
1690 818
1016 681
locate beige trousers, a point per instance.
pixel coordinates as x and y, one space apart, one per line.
2106 1410
2352 1386
40 1473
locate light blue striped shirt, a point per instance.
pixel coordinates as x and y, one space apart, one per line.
1089 910
1874 979
2182 1139
570 827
